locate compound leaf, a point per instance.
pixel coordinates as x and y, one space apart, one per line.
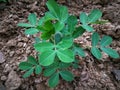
96 52
66 55
25 66
66 75
28 73
95 38
54 80
110 52
106 40
47 58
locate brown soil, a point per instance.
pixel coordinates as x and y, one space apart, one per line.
15 47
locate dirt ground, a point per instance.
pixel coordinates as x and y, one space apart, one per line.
15 47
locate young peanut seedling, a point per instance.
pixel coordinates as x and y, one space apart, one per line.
55 45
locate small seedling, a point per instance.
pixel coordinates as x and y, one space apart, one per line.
55 45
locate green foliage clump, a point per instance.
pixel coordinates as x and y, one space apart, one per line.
55 46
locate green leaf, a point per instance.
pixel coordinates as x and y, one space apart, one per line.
78 32
59 26
88 28
25 66
25 25
53 8
65 31
47 58
54 80
48 16
75 65
67 75
43 46
28 73
60 12
41 21
79 51
32 19
94 15
48 26
38 69
76 61
83 18
65 43
96 52
54 64
31 31
47 34
95 38
106 40
110 52
48 72
72 22
32 60
64 65
65 56
58 37
63 13
47 29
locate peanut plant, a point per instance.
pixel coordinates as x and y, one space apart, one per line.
55 45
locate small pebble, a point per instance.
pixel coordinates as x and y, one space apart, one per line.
20 44
2 58
3 78
12 53
116 73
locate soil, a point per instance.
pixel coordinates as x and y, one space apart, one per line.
15 46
